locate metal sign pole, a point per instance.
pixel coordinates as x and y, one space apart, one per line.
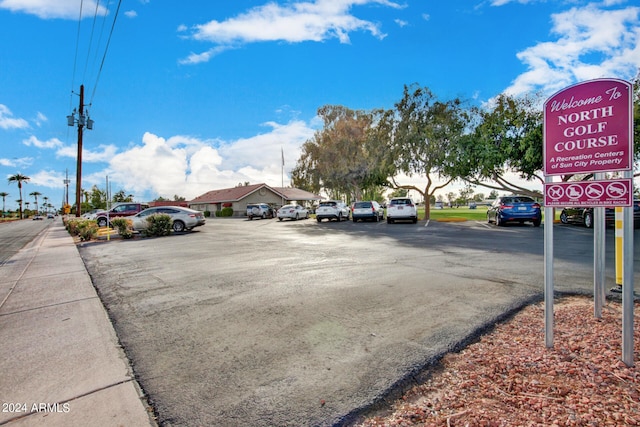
548 273
627 282
598 257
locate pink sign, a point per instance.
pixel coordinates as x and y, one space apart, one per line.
588 128
616 192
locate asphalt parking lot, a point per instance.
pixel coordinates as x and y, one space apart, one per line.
289 323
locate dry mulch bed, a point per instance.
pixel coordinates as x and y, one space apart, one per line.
510 378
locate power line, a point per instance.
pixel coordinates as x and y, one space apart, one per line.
105 51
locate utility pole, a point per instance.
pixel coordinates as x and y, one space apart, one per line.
79 166
81 121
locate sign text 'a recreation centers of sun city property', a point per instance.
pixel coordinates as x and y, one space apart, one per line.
588 129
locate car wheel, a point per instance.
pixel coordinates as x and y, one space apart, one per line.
488 218
279 219
499 223
319 219
536 222
389 220
297 217
178 226
588 220
264 215
306 215
564 218
340 217
415 220
102 222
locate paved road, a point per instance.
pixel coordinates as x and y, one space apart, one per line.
264 323
15 234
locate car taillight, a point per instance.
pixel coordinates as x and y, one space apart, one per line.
536 206
192 215
506 206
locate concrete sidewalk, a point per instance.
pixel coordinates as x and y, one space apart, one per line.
61 363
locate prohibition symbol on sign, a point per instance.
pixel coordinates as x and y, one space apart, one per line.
555 192
575 191
616 190
594 191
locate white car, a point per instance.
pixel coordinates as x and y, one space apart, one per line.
332 209
402 208
292 212
181 218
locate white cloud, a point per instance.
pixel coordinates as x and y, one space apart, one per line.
103 154
8 122
35 142
16 162
592 43
47 178
47 9
131 14
294 22
188 166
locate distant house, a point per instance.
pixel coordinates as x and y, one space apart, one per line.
238 198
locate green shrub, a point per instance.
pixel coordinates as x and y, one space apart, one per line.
158 225
85 228
124 227
207 214
226 211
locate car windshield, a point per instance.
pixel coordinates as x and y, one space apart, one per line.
329 204
401 202
288 207
360 205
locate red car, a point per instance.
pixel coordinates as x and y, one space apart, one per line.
121 209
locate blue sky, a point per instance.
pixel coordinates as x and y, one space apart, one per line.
192 96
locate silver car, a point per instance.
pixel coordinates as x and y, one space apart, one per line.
181 218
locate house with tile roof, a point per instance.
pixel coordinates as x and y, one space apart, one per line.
238 198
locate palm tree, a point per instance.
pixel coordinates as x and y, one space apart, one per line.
3 194
19 178
27 208
46 202
35 194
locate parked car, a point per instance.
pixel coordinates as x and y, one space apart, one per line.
515 209
181 218
577 215
37 217
332 210
401 208
125 209
367 210
292 212
584 215
92 214
259 210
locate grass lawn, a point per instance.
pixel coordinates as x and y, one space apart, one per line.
463 214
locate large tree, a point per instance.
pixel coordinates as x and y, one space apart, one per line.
506 143
345 157
19 178
425 134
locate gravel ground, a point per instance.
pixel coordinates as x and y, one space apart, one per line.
509 377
